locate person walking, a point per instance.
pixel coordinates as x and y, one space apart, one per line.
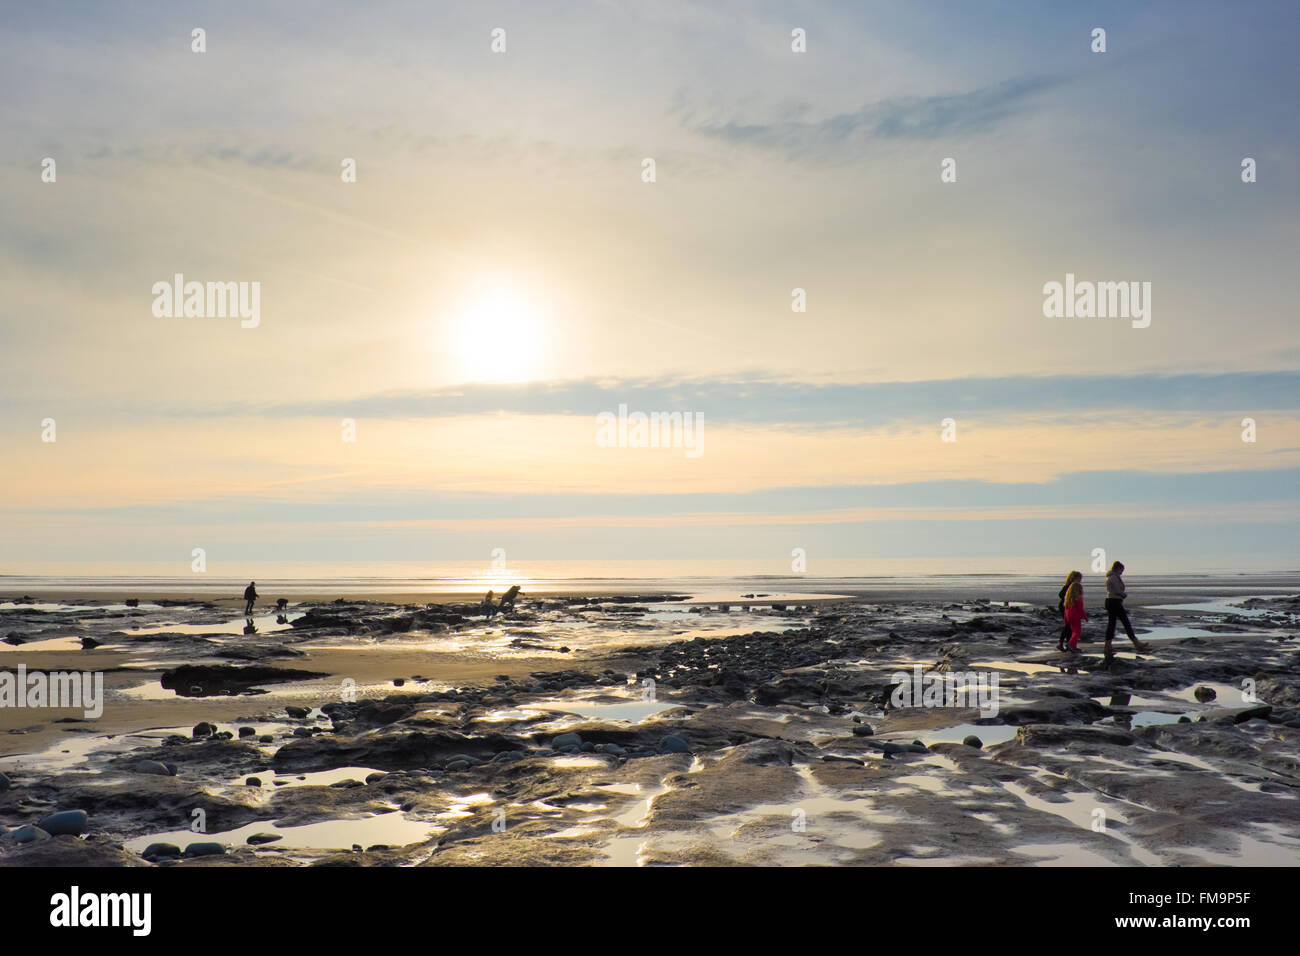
1115 595
250 595
1060 609
1074 611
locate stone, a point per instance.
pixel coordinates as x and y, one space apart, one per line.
673 745
74 822
203 849
204 729
161 851
27 834
153 767
972 741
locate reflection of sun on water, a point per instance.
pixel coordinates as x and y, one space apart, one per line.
498 338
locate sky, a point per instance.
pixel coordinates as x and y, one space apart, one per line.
435 341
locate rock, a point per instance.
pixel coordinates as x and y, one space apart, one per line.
1238 715
132 602
257 839
614 749
204 729
89 643
564 741
1049 735
247 732
673 745
203 849
1055 710
253 782
4 783
224 679
972 741
296 712
73 822
399 681
153 767
863 730
266 739
27 834
302 732
161 851
1204 694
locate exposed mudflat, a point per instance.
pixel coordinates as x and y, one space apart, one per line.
647 730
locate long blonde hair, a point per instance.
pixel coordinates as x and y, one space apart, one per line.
1072 577
1074 594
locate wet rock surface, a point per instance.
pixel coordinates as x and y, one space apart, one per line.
780 741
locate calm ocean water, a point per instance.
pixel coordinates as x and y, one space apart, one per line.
832 576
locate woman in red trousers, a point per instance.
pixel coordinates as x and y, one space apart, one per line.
1075 614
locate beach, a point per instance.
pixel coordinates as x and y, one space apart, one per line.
712 723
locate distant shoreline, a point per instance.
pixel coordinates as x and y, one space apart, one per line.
1031 589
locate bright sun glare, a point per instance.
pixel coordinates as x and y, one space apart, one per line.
498 338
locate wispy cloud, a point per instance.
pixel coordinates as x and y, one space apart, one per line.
908 117
770 402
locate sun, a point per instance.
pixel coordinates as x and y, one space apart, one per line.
498 337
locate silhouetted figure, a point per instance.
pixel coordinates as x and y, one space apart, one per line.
281 604
1060 609
489 608
250 595
508 600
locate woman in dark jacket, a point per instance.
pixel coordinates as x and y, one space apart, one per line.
1115 595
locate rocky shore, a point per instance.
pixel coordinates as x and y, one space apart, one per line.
641 730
